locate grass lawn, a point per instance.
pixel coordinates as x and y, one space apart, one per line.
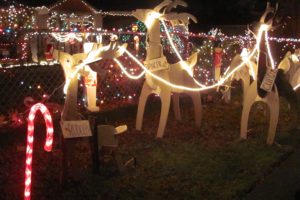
188 163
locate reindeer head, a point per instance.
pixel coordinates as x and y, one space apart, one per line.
271 17
64 58
163 12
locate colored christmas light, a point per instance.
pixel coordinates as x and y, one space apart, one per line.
29 149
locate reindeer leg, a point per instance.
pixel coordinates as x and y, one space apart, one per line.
246 84
70 111
273 103
146 91
176 107
91 94
91 91
251 95
227 95
165 97
196 98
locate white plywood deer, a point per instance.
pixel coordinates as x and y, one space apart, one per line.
244 74
78 64
157 63
257 90
290 65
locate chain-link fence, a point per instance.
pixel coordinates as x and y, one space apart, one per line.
34 81
114 89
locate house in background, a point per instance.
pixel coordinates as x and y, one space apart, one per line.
26 32
60 19
15 19
71 11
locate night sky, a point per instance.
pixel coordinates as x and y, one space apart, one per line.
208 12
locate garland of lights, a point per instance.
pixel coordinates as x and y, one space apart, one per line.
179 42
206 46
70 22
115 14
52 63
263 29
60 37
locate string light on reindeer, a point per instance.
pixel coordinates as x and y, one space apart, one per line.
150 20
193 89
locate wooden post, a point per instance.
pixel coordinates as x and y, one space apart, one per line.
64 165
94 142
73 132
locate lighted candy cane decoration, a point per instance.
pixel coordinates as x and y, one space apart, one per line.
29 149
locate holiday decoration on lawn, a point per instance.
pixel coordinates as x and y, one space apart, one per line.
290 64
76 64
244 74
171 43
29 149
157 65
263 87
218 51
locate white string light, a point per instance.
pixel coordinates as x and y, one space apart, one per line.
184 64
126 73
75 72
263 29
193 89
67 36
296 87
269 50
115 13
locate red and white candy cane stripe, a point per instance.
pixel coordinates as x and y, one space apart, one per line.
29 148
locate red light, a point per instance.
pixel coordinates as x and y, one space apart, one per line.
29 149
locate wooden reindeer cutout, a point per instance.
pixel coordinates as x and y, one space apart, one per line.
287 82
290 65
244 74
78 64
156 62
257 90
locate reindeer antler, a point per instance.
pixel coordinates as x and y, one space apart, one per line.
162 5
248 27
175 18
179 18
269 9
174 4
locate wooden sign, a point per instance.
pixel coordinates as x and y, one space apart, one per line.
269 79
73 129
157 64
